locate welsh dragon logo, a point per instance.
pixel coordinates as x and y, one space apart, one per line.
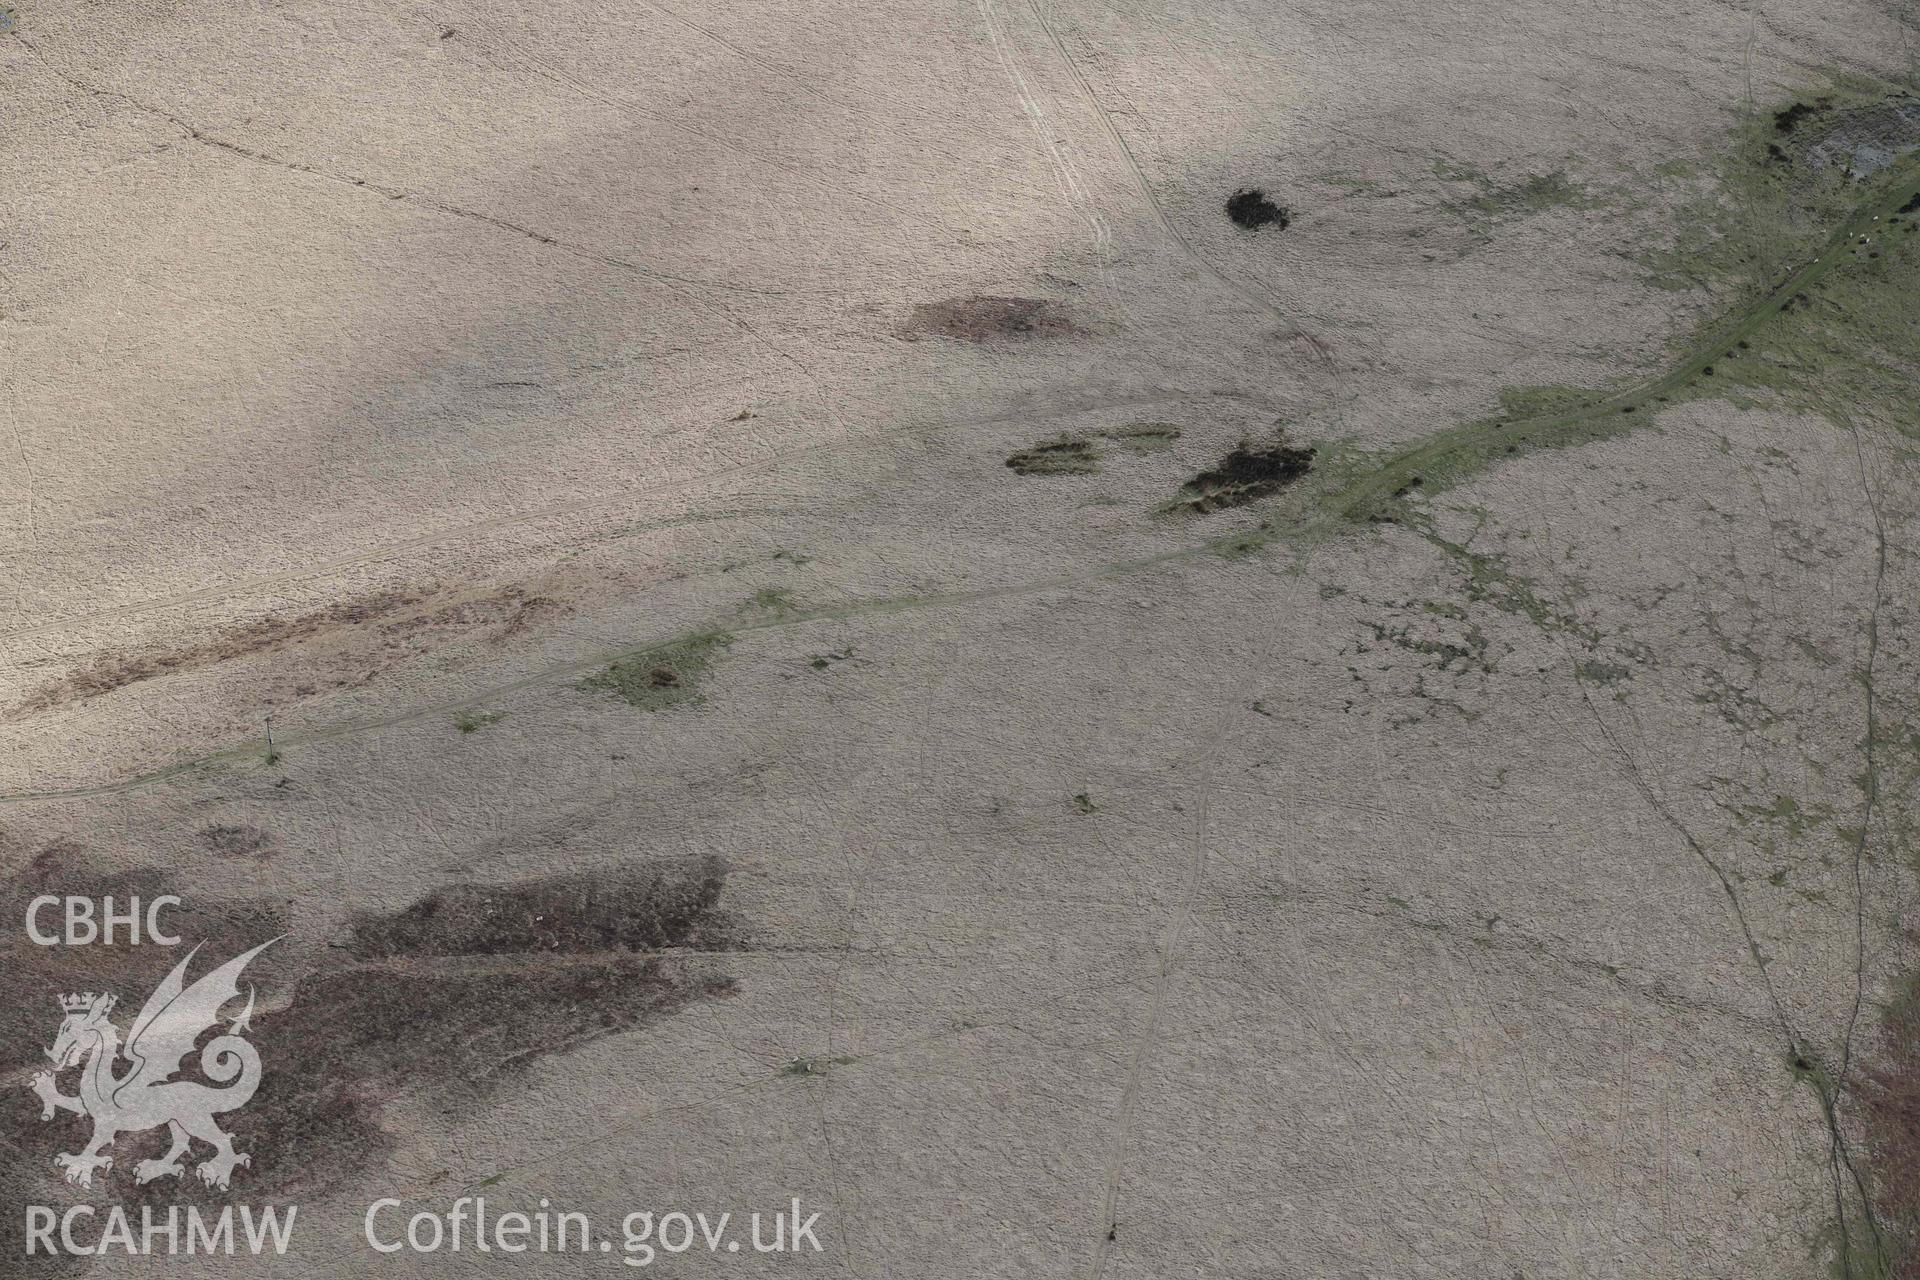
145 1096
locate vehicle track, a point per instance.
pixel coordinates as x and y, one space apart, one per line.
1238 288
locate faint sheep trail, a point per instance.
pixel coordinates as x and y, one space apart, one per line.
1169 947
1072 188
1239 289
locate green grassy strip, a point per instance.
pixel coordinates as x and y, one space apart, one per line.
1448 457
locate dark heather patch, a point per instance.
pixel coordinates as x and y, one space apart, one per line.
1787 118
1912 205
985 318
1251 471
1249 208
444 1000
1080 455
465 988
237 840
1068 456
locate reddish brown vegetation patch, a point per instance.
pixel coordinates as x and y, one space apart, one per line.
238 840
446 1000
393 624
510 609
112 671
985 318
1890 1100
460 992
670 905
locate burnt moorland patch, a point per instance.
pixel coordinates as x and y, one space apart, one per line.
1248 472
1251 209
987 318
